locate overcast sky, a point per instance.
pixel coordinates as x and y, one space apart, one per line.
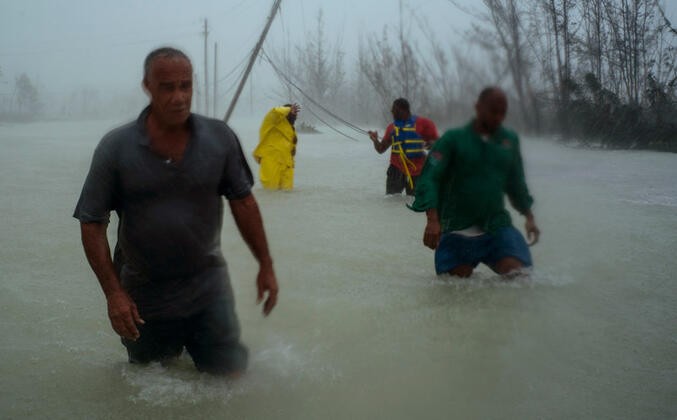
60 44
102 43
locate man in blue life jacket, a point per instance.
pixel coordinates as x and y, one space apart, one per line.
408 137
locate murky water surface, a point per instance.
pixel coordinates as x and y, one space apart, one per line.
364 329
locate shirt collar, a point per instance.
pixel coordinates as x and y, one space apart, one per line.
143 139
471 127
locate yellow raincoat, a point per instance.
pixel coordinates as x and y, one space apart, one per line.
276 149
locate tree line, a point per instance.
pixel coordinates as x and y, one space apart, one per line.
23 103
600 72
24 100
596 72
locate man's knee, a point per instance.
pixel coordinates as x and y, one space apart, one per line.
214 343
508 265
393 186
221 360
463 271
147 351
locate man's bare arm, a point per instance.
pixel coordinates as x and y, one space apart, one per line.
530 226
431 234
248 219
122 311
533 232
380 146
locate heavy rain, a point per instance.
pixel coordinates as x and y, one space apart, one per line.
363 327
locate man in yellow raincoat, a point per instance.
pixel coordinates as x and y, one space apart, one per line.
277 148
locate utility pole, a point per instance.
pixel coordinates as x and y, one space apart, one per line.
405 56
196 88
205 33
252 59
215 82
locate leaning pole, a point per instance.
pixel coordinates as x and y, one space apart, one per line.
252 59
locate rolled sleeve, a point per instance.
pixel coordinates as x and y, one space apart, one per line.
236 180
428 184
97 198
427 129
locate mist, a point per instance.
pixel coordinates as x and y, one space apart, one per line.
570 68
364 328
84 59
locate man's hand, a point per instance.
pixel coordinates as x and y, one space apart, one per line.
123 315
266 282
373 135
295 109
533 232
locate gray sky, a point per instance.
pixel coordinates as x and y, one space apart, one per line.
101 44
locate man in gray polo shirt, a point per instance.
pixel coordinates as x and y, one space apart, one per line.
165 175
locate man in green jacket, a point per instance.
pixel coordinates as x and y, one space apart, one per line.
462 188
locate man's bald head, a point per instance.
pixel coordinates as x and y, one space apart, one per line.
491 93
491 108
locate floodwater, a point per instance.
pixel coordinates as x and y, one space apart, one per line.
363 328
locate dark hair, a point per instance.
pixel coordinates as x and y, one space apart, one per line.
401 103
164 52
488 91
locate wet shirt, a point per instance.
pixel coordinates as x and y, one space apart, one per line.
170 213
427 131
466 178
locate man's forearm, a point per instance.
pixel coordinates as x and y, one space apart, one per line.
523 206
381 146
431 215
97 250
250 223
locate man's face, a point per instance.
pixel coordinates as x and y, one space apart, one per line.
397 112
170 86
491 111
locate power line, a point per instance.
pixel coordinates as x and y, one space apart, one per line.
236 67
328 112
234 84
309 109
259 45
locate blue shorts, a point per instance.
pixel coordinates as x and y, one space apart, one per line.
454 249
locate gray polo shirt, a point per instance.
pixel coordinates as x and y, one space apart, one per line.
169 236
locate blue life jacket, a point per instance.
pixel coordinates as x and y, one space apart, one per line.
406 140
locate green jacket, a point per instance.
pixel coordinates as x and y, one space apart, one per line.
465 179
